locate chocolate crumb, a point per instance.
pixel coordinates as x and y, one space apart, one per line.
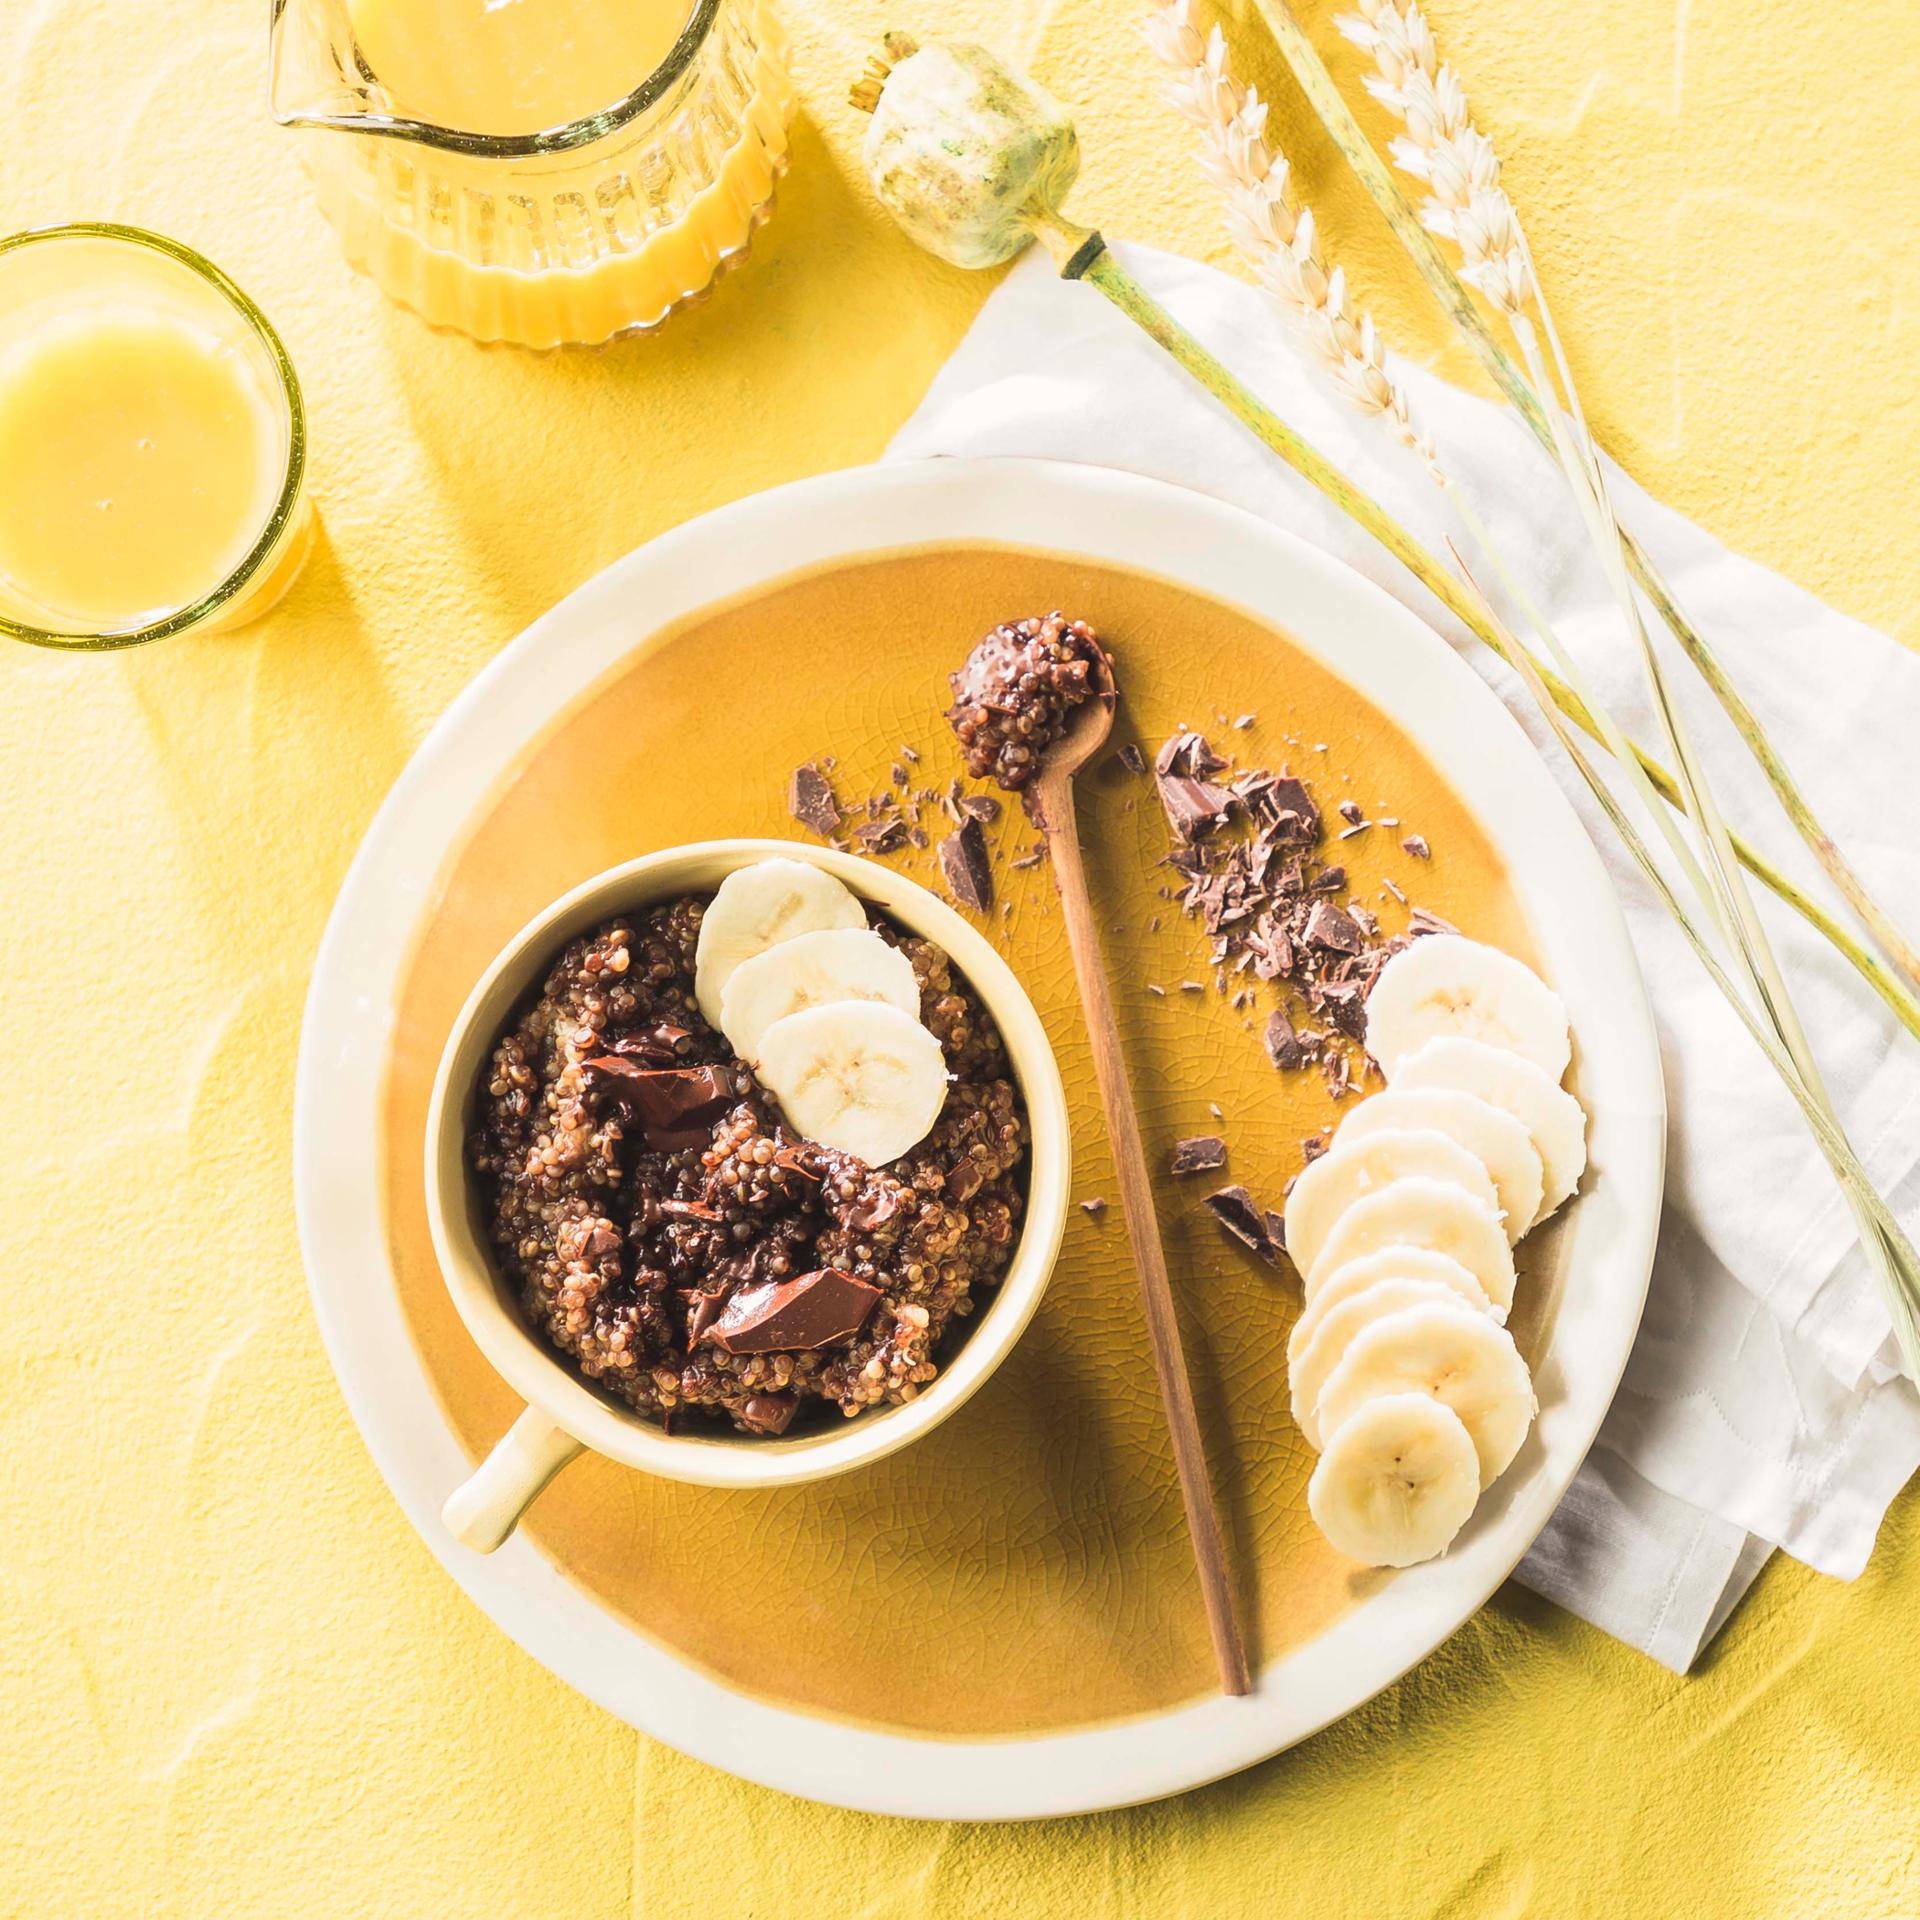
1096 1206
1313 1146
1205 1153
967 867
979 806
1350 812
1420 921
1133 757
1235 1209
810 800
1416 845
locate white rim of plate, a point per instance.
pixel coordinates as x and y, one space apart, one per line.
1377 646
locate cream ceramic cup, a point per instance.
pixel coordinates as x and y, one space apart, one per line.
564 1412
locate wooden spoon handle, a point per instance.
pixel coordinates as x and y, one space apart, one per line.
1143 1228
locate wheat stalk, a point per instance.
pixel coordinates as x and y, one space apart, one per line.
1448 287
1467 205
1279 236
1253 176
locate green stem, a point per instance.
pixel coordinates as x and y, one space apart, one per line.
1081 254
1313 79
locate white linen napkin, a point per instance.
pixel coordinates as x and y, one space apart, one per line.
1761 1407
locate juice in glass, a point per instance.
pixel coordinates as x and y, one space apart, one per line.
152 444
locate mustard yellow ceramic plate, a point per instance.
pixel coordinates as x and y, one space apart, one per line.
1001 1619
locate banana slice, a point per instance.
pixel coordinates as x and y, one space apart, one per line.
1311 1361
1331 1184
859 1075
1397 1483
1419 1212
1446 984
811 970
1390 1263
756 908
1551 1115
1491 1134
1458 1356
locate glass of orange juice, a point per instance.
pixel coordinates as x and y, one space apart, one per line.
153 445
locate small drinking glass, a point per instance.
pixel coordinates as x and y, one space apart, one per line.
57 283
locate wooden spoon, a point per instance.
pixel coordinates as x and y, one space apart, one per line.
1050 801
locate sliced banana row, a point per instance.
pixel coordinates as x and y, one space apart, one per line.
1400 1367
825 1011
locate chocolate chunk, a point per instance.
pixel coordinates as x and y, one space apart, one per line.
795 1316
1205 1153
1193 807
1329 927
966 1179
768 1412
1421 921
1132 757
1416 845
810 800
1285 1047
658 1045
1344 1002
981 806
1350 812
674 1107
1313 1146
880 1201
967 867
1238 1213
1187 755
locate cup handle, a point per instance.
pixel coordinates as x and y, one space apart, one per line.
484 1509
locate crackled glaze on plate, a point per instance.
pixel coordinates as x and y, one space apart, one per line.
1004 1623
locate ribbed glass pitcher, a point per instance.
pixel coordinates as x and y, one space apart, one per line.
513 229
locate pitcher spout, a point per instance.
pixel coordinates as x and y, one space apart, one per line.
314 74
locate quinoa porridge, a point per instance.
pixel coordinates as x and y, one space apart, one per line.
1016 691
666 1230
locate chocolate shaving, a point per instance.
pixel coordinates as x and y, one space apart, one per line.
1205 1153
705 1310
674 1107
810 800
883 836
967 867
1420 921
815 1310
1239 1215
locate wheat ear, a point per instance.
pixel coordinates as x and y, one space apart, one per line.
1467 205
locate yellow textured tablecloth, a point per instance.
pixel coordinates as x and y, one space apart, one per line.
232 1681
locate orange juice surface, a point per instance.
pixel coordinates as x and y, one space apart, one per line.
513 66
140 460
